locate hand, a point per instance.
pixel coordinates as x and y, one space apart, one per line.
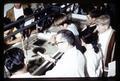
47 57
52 40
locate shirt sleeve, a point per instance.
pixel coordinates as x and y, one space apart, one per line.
64 68
91 65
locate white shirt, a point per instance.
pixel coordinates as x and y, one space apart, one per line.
93 61
73 29
71 64
18 12
104 39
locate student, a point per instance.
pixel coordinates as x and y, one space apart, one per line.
105 32
93 54
72 62
15 63
73 27
13 14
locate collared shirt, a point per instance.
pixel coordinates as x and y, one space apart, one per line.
71 64
18 12
104 40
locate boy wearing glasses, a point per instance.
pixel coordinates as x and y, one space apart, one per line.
72 62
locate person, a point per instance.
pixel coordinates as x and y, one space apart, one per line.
105 32
16 11
93 54
13 14
15 63
73 27
72 62
89 25
93 15
27 32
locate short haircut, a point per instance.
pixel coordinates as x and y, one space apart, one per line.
60 19
28 11
68 35
103 19
95 13
14 59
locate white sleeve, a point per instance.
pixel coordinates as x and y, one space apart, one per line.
66 68
91 67
73 29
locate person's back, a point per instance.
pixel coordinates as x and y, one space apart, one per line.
15 63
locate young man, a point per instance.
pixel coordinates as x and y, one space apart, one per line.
15 63
105 33
72 62
13 14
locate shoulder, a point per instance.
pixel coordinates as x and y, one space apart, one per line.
10 10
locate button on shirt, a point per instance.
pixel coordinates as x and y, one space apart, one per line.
71 64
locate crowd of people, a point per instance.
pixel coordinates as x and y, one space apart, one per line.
84 43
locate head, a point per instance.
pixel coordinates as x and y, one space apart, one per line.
17 5
103 23
28 11
66 23
91 38
14 59
93 15
59 19
65 39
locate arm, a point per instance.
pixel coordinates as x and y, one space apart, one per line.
91 68
46 57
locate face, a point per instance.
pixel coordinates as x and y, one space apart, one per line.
102 28
90 20
61 43
17 5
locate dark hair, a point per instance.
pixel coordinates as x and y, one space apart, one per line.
14 59
6 21
18 26
68 35
95 13
93 39
28 11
